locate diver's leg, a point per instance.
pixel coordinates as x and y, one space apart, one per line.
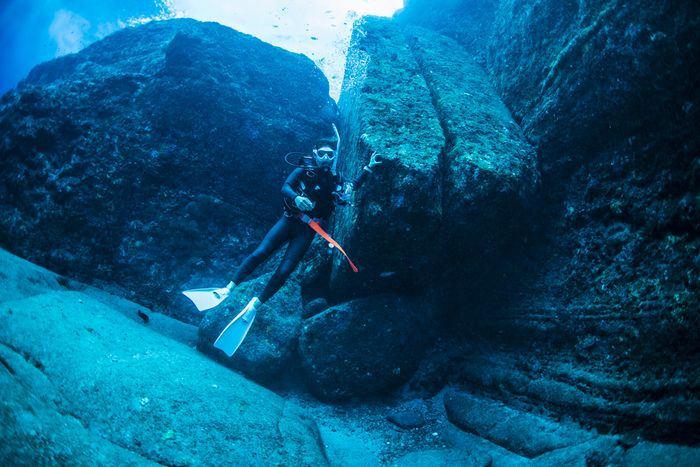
275 238
300 242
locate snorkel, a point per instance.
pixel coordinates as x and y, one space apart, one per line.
322 157
337 150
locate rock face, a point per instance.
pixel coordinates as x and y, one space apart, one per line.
525 434
81 383
364 347
458 179
269 347
154 157
607 93
387 107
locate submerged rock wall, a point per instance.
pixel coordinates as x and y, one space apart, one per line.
401 200
458 179
607 92
153 159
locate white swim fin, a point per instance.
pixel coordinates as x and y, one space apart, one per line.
232 336
205 299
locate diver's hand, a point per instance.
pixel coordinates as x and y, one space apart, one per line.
304 203
374 160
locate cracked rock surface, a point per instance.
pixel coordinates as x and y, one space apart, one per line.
82 382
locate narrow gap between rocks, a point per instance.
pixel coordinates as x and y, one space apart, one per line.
449 141
26 356
8 366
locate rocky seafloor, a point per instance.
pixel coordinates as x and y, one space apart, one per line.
89 377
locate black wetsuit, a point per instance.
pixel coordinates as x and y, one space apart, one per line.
323 189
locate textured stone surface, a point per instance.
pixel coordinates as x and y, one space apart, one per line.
559 384
470 21
27 280
607 93
387 107
458 177
364 347
154 157
601 450
83 383
648 454
444 458
523 433
268 349
36 432
489 177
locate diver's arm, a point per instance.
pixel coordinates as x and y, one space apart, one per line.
361 178
366 170
288 187
298 199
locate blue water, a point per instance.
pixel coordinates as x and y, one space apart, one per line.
28 38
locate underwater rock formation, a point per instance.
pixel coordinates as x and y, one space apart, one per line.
607 92
269 348
387 107
80 383
365 347
458 179
152 158
525 434
446 211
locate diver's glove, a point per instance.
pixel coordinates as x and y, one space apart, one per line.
304 203
374 160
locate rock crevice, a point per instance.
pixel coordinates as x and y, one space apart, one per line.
443 163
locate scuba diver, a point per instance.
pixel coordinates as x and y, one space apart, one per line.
310 194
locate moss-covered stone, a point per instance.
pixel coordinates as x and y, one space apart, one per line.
268 349
154 157
365 347
458 175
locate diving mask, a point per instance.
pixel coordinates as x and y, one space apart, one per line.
324 156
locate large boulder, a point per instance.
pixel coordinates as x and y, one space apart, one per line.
489 170
152 158
268 349
23 279
386 106
80 383
459 179
364 347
